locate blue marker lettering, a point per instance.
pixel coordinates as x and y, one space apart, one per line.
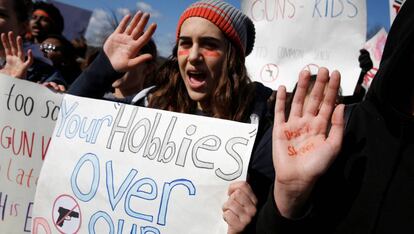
115 198
94 219
89 157
136 192
166 193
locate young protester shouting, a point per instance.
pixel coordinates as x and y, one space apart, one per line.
46 20
205 75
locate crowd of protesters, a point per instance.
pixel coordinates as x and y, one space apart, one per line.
350 170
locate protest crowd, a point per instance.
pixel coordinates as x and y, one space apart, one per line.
321 162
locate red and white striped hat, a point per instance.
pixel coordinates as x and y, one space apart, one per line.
235 25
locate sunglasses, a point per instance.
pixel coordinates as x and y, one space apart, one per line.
47 47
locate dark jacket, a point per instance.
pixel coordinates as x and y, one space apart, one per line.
370 186
42 70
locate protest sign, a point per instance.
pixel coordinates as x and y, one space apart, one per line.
375 47
115 168
395 6
296 35
28 116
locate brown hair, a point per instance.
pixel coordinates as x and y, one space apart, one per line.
152 64
231 99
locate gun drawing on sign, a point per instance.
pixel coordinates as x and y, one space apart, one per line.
65 215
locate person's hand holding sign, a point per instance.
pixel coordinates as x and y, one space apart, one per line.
302 149
240 207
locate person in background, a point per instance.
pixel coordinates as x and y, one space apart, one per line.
46 20
80 48
13 18
16 65
205 75
357 180
62 54
140 77
366 64
14 21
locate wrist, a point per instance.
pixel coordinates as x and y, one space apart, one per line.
232 232
291 199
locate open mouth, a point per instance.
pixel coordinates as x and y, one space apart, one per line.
35 29
196 79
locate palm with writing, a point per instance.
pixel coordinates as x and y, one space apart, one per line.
124 44
302 151
16 63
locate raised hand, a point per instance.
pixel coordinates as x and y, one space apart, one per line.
240 208
16 64
123 45
302 150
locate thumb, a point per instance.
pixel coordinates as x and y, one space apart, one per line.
29 60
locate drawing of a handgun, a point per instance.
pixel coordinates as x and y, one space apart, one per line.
65 215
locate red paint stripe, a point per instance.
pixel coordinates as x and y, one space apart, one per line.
209 53
183 52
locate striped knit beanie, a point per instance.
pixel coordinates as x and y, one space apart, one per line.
235 25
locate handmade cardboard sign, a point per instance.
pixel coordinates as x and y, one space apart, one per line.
293 35
28 115
395 6
115 168
375 47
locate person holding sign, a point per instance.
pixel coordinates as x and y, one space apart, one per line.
205 75
365 186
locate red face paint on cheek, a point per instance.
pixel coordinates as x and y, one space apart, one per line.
183 52
209 53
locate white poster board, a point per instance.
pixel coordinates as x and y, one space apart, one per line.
28 116
375 47
395 6
292 35
115 168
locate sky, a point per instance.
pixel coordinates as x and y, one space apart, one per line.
167 12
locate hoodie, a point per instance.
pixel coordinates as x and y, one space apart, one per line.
370 186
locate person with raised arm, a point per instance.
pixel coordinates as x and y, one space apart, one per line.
14 18
16 64
357 179
205 75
